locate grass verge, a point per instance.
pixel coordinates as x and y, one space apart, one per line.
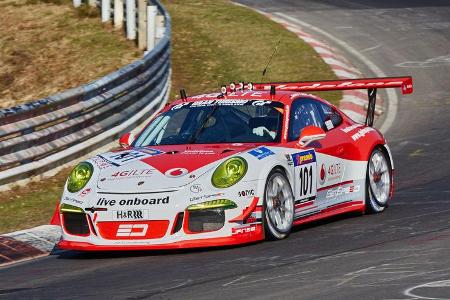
214 43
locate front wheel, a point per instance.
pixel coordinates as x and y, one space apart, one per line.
378 182
278 206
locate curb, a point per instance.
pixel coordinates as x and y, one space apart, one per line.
28 244
354 103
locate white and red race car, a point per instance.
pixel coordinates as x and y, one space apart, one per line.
233 167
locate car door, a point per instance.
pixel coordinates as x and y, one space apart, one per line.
332 164
304 113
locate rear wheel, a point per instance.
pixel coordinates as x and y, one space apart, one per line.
378 182
278 206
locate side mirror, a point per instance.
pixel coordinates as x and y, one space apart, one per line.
126 140
310 134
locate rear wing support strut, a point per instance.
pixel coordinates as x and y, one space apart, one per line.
372 94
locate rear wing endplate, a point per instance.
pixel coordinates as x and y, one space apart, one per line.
371 84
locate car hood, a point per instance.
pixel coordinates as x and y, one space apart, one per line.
160 168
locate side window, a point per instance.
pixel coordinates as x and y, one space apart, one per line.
304 112
331 118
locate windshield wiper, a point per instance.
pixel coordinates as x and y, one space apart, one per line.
200 129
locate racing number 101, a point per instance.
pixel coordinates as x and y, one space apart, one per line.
306 180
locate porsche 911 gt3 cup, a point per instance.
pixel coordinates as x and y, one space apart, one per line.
238 166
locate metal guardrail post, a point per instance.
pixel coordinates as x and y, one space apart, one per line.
131 19
142 24
106 10
76 3
118 13
151 27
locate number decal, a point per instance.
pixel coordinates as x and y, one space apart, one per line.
306 180
305 167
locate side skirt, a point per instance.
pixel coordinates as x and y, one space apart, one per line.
331 211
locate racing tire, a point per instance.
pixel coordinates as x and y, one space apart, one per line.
378 181
278 206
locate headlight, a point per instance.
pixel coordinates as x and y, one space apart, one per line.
229 172
220 203
79 177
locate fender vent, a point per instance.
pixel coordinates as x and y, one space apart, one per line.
178 223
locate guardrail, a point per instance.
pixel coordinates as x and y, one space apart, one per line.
38 136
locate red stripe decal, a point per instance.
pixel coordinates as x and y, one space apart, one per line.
335 185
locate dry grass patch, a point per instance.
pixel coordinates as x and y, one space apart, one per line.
47 46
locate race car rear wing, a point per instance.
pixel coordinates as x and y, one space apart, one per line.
371 84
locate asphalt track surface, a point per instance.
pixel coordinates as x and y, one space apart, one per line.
403 253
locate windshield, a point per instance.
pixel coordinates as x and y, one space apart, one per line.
215 121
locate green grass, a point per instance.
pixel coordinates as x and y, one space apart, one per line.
214 43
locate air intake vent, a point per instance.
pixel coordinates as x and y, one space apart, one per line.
75 223
206 220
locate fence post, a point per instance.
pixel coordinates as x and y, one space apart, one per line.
92 2
118 13
142 28
131 19
76 3
160 29
106 10
151 27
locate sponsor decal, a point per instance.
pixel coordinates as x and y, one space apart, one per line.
73 200
130 202
149 151
261 152
361 133
246 193
178 106
247 229
198 152
100 162
304 157
206 197
261 102
323 174
342 190
350 128
196 188
334 171
286 122
132 230
289 159
176 172
124 157
84 192
225 102
329 124
327 85
131 173
133 214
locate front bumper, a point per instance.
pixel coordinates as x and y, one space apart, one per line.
241 225
244 238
